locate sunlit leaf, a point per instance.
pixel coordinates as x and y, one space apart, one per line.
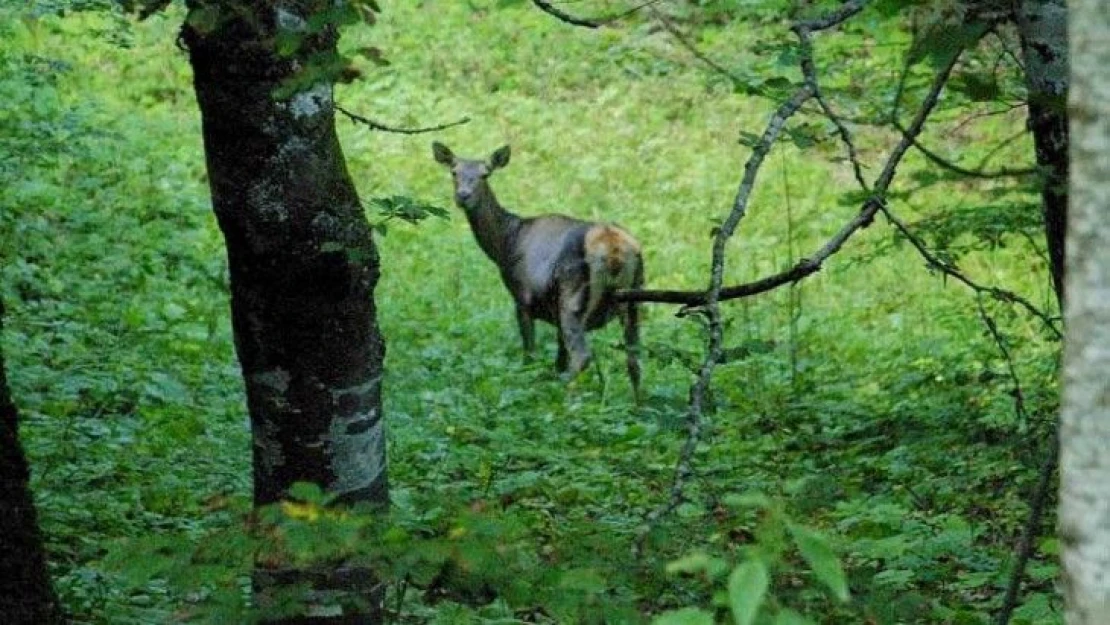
821 558
747 587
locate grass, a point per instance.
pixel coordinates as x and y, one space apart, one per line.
874 404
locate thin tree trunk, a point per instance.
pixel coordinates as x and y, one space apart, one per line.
1085 419
302 261
26 595
1042 26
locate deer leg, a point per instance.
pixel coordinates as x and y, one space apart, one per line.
561 359
527 331
630 317
572 327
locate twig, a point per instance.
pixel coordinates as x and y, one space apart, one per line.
1001 146
809 73
802 269
1033 522
597 22
949 270
981 114
693 49
834 18
939 160
992 327
375 125
1009 51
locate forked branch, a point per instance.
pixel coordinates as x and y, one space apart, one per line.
810 265
953 272
713 296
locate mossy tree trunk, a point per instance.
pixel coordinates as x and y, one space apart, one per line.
26 595
302 261
1042 27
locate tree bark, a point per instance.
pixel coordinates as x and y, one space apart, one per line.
302 260
26 595
1042 26
1085 421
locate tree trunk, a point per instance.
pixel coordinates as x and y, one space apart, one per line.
302 261
1085 420
26 596
1042 26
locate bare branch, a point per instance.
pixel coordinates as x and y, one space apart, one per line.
808 266
1004 349
809 72
685 42
981 114
694 416
936 159
1002 146
1033 523
597 22
949 270
375 125
1032 527
835 18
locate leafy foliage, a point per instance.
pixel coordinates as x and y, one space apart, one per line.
871 406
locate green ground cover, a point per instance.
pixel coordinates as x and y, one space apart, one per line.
869 403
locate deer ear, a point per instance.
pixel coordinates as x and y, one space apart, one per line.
443 154
499 158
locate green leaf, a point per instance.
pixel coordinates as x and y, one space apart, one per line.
822 559
747 586
790 617
407 209
204 19
685 616
942 40
586 580
308 493
978 87
698 563
748 139
752 499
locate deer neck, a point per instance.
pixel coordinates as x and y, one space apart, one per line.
493 226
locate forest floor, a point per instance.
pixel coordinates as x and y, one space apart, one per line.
870 402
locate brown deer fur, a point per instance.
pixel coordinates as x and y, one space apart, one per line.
557 268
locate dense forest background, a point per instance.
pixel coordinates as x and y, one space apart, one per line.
880 410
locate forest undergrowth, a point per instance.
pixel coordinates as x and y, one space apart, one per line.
870 405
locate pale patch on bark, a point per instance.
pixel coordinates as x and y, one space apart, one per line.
358 460
1085 419
288 20
276 380
293 147
325 224
275 383
312 101
1044 28
265 439
269 205
359 390
357 453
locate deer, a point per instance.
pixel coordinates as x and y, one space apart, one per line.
558 269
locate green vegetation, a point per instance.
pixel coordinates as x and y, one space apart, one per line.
869 403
